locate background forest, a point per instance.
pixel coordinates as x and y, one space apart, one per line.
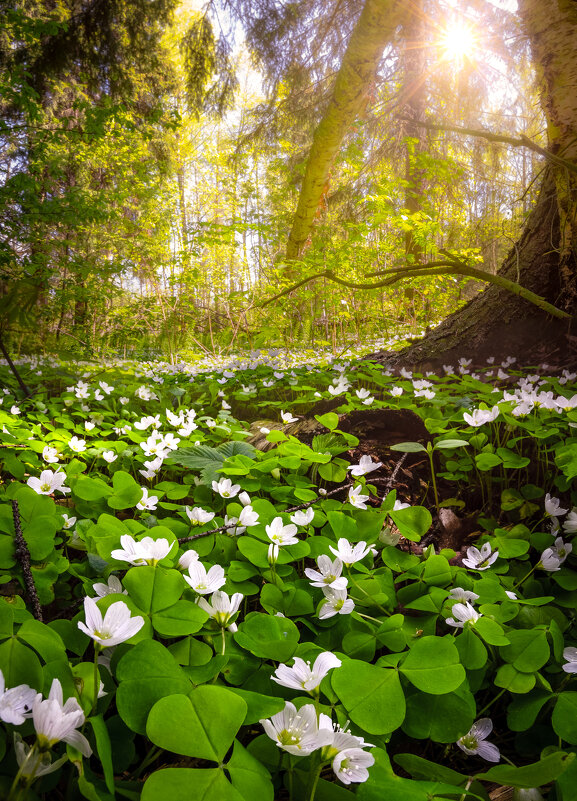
152 153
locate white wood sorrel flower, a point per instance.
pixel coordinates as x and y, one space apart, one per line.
297 731
280 534
480 559
301 676
205 581
329 575
349 554
48 483
55 720
474 742
16 702
222 608
115 627
146 551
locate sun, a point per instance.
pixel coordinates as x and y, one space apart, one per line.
458 42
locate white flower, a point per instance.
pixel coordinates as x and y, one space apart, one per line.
336 603
89 425
280 534
480 560
464 613
296 731
356 498
474 742
152 467
365 465
222 608
170 441
48 483
553 507
105 387
50 455
68 521
570 524
147 502
570 654
244 498
348 553
552 558
350 765
459 594
198 516
113 587
248 517
15 703
146 551
36 764
55 721
202 581
115 627
330 573
124 400
287 417
187 558
396 392
303 517
109 456
400 505
481 416
77 445
362 394
225 488
301 676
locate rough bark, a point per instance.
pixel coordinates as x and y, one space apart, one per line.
375 28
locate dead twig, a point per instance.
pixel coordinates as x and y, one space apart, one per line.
22 554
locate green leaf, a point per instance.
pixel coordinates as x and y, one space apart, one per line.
249 776
513 680
154 588
180 619
486 461
146 673
491 632
451 443
259 706
202 724
268 636
412 522
177 784
127 493
471 650
408 447
329 420
528 651
523 710
441 718
437 571
535 775
512 459
372 696
433 665
19 664
103 749
564 718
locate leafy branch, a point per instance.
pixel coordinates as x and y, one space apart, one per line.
451 265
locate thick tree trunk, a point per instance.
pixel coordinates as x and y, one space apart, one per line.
545 258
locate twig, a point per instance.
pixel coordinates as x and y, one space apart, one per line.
306 505
23 556
13 369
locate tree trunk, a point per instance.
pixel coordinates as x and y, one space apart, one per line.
544 259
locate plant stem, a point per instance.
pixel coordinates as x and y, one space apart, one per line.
518 584
491 702
96 685
434 478
223 646
314 780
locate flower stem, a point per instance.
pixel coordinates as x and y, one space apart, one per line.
96 685
518 584
17 788
491 702
314 780
223 646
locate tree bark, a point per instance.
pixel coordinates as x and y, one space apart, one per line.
375 28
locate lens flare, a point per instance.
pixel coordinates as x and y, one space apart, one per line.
458 42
